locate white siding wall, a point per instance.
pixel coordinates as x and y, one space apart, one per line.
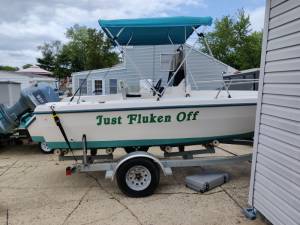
144 62
275 180
25 80
105 74
147 60
204 68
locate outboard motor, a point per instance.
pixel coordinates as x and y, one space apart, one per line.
30 98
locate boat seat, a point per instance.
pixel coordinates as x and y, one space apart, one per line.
158 88
125 93
133 95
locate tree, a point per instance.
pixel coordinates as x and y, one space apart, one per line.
86 49
8 68
26 66
233 42
50 52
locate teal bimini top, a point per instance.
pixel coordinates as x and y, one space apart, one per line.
152 31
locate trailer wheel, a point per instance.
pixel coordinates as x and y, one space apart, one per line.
138 177
136 148
44 148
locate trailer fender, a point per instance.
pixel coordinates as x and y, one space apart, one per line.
138 154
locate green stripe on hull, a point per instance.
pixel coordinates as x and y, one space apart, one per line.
145 142
37 138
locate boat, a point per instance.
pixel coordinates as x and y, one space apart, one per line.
169 115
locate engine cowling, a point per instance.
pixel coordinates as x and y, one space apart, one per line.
29 99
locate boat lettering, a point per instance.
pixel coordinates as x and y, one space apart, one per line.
183 116
137 118
101 120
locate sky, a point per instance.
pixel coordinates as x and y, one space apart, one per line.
26 24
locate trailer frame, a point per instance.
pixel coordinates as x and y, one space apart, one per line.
166 165
92 162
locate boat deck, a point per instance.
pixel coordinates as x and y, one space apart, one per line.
198 98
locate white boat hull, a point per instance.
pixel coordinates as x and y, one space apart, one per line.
145 126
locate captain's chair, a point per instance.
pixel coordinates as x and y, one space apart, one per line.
124 90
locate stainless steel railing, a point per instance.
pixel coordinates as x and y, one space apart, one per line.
226 84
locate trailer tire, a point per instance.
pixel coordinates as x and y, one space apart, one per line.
138 177
44 148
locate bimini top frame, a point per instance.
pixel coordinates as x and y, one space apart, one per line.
152 31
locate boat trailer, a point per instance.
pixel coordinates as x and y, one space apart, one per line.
138 173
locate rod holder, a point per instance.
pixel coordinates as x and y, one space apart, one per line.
84 147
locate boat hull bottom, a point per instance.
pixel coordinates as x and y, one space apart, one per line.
145 142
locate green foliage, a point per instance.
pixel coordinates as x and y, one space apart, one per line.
233 42
26 66
8 68
86 49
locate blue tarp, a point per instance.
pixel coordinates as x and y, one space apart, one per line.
152 31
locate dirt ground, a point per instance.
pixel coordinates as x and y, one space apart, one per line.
35 190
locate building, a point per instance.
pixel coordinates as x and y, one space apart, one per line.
35 70
250 74
153 63
275 175
26 79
